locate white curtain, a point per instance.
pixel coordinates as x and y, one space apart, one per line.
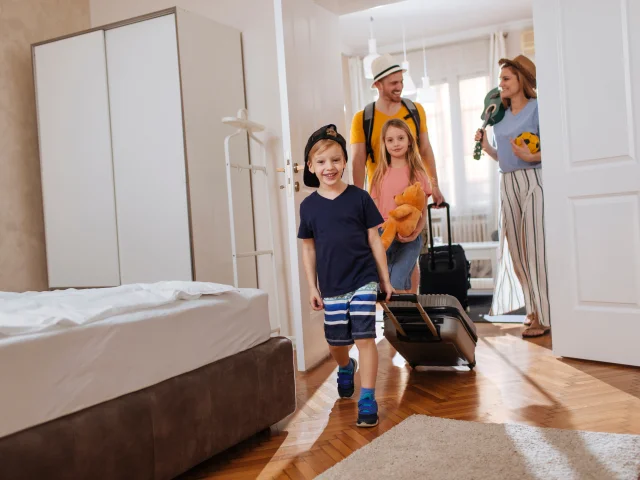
358 84
497 50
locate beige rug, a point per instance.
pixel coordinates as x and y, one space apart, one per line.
423 447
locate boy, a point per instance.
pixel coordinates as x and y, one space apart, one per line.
339 228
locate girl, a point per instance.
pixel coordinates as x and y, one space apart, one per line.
401 166
522 207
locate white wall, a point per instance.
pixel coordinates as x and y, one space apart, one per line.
513 43
255 19
464 59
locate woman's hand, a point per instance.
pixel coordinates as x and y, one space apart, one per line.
315 300
482 135
522 152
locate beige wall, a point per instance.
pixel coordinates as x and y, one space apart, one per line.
23 22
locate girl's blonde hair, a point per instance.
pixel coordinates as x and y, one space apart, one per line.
413 155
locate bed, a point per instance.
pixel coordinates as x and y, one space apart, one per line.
146 389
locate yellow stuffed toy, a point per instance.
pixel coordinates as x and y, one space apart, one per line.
404 219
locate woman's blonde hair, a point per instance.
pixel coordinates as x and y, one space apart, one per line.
413 155
527 87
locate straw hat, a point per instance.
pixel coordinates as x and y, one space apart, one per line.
384 66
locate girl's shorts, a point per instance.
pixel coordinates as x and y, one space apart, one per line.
402 259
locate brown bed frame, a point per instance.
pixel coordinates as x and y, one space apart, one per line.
164 430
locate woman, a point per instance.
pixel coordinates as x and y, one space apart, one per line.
522 203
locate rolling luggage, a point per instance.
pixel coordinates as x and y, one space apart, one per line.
430 330
445 269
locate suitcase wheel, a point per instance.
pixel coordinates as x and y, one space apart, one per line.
472 366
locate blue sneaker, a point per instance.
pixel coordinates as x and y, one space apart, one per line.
346 386
367 412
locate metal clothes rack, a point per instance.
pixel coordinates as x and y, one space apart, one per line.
244 125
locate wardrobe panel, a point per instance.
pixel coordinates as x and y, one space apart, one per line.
76 164
149 151
209 94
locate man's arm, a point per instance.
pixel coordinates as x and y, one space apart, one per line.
359 159
430 164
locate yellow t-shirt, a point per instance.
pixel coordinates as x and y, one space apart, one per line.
379 119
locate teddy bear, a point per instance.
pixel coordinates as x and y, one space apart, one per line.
404 219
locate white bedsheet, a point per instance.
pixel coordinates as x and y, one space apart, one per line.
22 313
46 375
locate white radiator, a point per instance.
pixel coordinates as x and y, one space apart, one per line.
464 228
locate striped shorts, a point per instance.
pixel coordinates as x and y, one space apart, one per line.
351 316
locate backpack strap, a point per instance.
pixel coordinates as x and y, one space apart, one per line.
367 125
415 115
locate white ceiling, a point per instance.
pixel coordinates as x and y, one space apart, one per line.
342 7
424 20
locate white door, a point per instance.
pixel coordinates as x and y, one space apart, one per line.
75 161
148 151
311 92
589 84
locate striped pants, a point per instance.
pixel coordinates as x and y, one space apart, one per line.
522 229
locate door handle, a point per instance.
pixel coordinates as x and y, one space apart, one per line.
296 168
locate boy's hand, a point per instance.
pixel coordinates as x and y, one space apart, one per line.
316 300
385 286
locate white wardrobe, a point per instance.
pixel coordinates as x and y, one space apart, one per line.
132 152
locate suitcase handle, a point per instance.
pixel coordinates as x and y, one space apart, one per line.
406 297
399 297
432 249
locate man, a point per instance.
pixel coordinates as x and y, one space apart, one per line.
387 78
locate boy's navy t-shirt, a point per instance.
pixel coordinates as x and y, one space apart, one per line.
339 227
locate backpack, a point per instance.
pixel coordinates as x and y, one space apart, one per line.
367 122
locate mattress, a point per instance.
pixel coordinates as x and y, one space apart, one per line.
46 375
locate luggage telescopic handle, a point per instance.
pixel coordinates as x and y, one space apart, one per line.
433 257
399 297
406 297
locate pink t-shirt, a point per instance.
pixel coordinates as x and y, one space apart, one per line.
394 183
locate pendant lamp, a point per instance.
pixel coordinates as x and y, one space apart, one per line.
368 60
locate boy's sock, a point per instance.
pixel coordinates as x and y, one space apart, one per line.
367 408
370 392
348 368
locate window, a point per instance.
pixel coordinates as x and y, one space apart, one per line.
469 185
438 122
477 173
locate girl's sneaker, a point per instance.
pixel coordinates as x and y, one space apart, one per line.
367 412
346 385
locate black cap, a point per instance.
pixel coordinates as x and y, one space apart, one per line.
328 132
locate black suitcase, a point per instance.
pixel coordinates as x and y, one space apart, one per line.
445 269
430 330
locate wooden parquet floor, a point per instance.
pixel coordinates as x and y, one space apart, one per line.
515 381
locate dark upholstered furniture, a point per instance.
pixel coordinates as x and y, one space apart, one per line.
164 430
